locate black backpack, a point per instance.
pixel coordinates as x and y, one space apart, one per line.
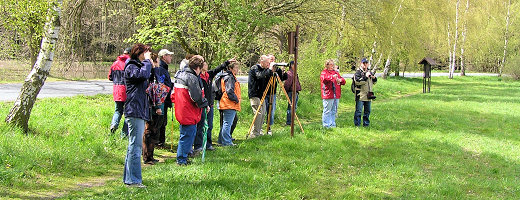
216 85
353 85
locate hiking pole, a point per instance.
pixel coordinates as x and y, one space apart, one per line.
171 144
257 110
205 131
290 102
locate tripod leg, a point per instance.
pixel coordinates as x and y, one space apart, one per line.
259 107
290 102
269 111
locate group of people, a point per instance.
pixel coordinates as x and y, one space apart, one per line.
362 83
144 90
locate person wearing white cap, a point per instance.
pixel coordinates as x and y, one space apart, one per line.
165 58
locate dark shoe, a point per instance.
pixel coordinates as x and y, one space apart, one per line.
210 148
232 139
149 162
113 130
155 160
188 162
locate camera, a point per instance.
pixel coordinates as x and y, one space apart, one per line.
280 64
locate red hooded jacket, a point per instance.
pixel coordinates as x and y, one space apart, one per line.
330 88
116 75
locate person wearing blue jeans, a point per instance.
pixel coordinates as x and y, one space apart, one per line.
132 172
189 101
136 109
118 114
331 82
224 138
187 136
364 81
116 75
329 113
229 103
288 122
364 106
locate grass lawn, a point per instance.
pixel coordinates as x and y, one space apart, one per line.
458 142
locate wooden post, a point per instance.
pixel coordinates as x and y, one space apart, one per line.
295 74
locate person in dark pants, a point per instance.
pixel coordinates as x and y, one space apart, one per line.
288 86
116 75
189 101
364 81
165 58
207 78
157 96
137 72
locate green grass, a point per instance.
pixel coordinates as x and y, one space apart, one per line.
458 142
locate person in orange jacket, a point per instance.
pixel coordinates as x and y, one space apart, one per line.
229 103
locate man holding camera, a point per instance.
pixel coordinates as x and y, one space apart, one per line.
364 81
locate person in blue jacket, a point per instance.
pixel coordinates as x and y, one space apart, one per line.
137 72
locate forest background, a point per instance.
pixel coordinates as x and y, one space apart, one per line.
459 34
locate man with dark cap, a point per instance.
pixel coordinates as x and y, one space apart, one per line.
364 81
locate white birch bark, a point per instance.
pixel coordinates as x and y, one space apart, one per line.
463 43
506 39
456 37
387 63
21 111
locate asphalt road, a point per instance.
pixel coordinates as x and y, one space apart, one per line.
9 92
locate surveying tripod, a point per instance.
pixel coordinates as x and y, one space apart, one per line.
271 85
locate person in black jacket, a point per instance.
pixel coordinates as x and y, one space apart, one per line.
259 76
207 78
165 58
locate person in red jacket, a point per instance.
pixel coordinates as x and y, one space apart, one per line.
119 90
189 101
331 82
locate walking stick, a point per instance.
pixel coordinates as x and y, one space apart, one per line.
171 144
261 102
205 131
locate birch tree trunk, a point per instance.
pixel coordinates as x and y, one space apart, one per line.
464 32
456 37
506 39
387 63
449 47
21 111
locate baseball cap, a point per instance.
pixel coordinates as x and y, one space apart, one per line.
127 50
164 52
364 60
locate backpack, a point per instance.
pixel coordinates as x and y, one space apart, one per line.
216 86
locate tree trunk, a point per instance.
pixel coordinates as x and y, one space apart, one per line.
465 29
506 38
21 111
387 64
454 53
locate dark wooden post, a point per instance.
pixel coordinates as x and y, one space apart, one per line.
293 49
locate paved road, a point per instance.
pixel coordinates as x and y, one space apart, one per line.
9 92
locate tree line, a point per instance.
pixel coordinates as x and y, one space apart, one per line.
395 34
